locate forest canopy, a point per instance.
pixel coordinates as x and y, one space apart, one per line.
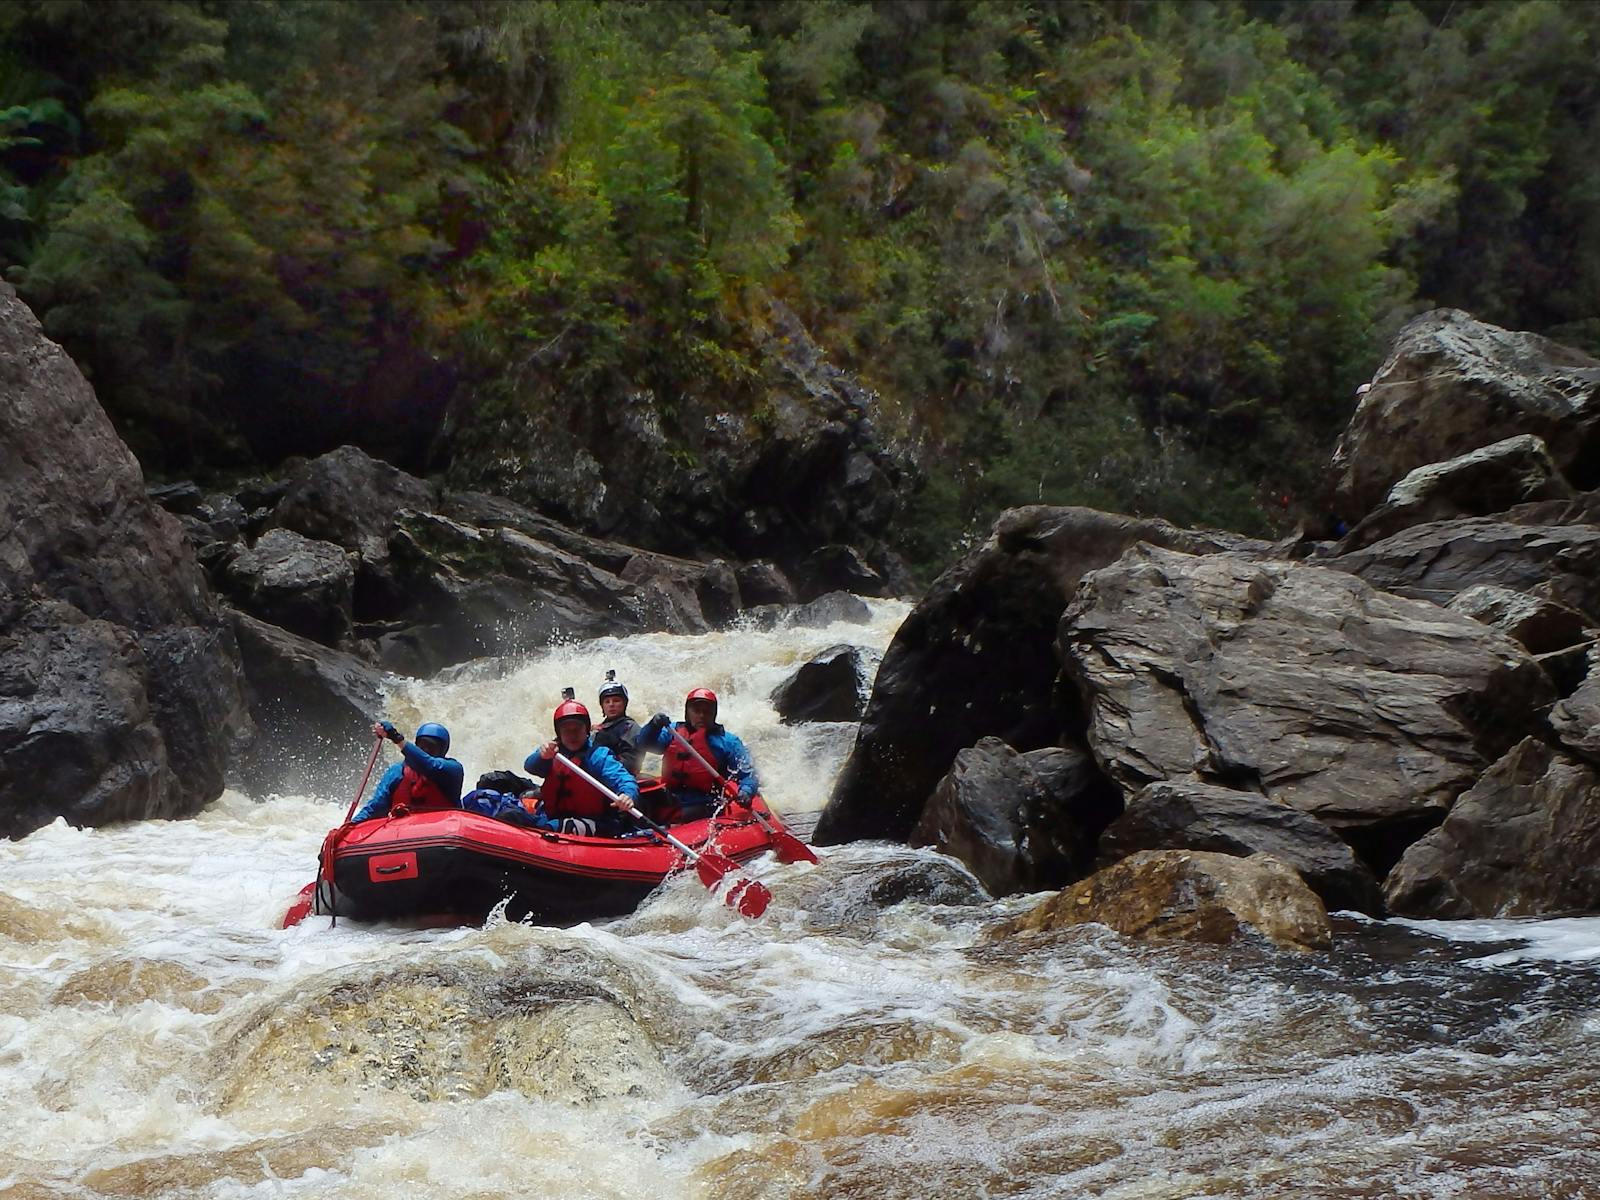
1133 255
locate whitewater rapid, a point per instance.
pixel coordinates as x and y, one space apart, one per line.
161 1036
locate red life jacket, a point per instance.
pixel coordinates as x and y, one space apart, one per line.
417 793
564 794
681 770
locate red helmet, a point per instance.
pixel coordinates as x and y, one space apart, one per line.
571 708
705 694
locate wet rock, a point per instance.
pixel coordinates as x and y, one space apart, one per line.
838 568
1185 815
852 894
1189 895
579 1053
351 499
1017 827
443 1029
975 658
1366 710
498 591
1485 481
832 686
119 680
1439 561
314 710
304 586
1523 841
1452 384
762 582
831 608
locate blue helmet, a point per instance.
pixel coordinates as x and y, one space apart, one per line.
433 730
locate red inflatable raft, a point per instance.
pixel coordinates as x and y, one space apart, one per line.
459 865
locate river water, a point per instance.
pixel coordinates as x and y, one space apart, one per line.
160 1036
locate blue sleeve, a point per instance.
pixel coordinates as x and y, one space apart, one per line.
446 772
612 773
736 763
534 765
378 803
655 742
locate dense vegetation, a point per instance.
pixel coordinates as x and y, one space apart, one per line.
1134 255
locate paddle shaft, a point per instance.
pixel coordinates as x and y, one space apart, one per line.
377 744
631 807
325 862
795 846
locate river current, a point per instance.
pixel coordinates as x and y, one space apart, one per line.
161 1036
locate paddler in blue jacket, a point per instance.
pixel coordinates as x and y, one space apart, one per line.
424 779
697 791
567 797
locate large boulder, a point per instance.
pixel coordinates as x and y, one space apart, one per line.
1575 719
831 686
314 708
974 658
1523 841
120 694
1442 559
1492 479
305 586
353 500
1187 815
1369 711
1020 822
1192 896
1452 384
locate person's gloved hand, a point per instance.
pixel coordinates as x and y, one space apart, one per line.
390 732
657 723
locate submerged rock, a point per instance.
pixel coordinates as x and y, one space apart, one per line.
445 1029
1184 895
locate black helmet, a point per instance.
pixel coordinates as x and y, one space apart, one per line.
613 687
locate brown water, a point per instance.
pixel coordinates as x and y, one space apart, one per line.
159 1036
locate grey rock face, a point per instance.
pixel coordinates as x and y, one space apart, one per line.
1186 815
305 586
975 658
1452 384
1524 840
313 706
1369 711
120 694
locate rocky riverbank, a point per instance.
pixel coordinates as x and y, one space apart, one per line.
1404 715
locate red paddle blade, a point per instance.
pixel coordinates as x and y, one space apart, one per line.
712 866
746 895
301 908
790 849
749 898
